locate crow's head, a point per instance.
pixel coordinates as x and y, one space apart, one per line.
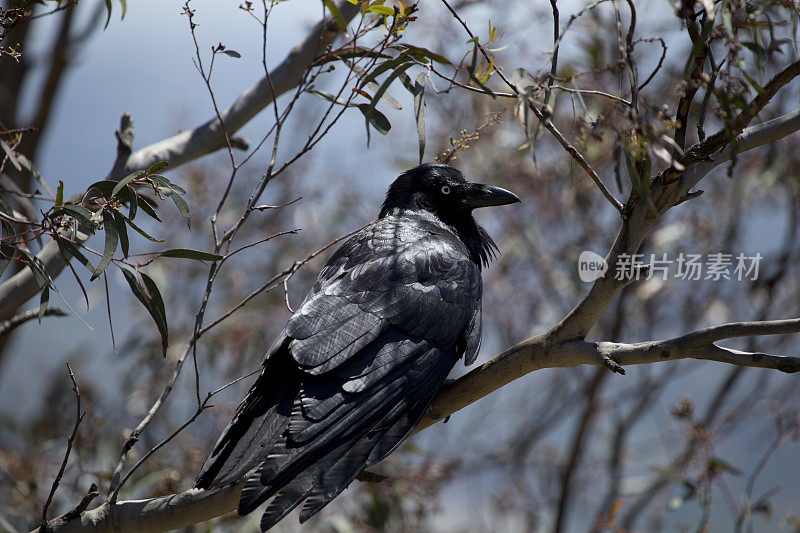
443 191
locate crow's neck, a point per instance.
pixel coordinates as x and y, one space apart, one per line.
481 247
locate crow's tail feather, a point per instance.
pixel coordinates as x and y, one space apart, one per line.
319 470
257 424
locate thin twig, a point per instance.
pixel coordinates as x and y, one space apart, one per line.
547 109
16 321
271 284
78 418
660 61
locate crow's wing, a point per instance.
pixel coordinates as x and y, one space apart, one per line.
411 273
356 368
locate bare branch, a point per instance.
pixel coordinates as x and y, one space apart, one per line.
16 321
542 352
210 136
78 418
752 137
640 220
194 505
702 150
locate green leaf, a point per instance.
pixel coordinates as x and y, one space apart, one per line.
6 230
183 207
186 253
36 266
419 51
44 300
102 188
108 312
139 230
150 298
376 118
759 89
727 21
112 239
42 280
716 464
232 53
336 14
160 180
372 86
74 251
108 13
381 10
157 167
328 96
388 81
149 207
126 180
119 224
419 111
152 288
61 248
133 201
166 184
60 193
390 64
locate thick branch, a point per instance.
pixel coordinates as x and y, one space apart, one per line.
193 506
701 150
154 515
752 137
585 315
542 352
210 136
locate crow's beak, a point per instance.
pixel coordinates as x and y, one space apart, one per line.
480 195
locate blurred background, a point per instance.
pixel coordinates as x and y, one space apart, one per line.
677 446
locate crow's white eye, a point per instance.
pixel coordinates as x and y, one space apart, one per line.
446 189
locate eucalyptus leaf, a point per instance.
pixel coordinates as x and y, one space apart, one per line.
44 301
157 167
112 239
122 230
337 15
124 181
149 207
183 207
186 253
139 230
150 297
376 118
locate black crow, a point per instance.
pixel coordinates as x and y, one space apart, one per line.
358 364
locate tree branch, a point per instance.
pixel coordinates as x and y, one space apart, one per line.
194 505
78 419
11 324
210 136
